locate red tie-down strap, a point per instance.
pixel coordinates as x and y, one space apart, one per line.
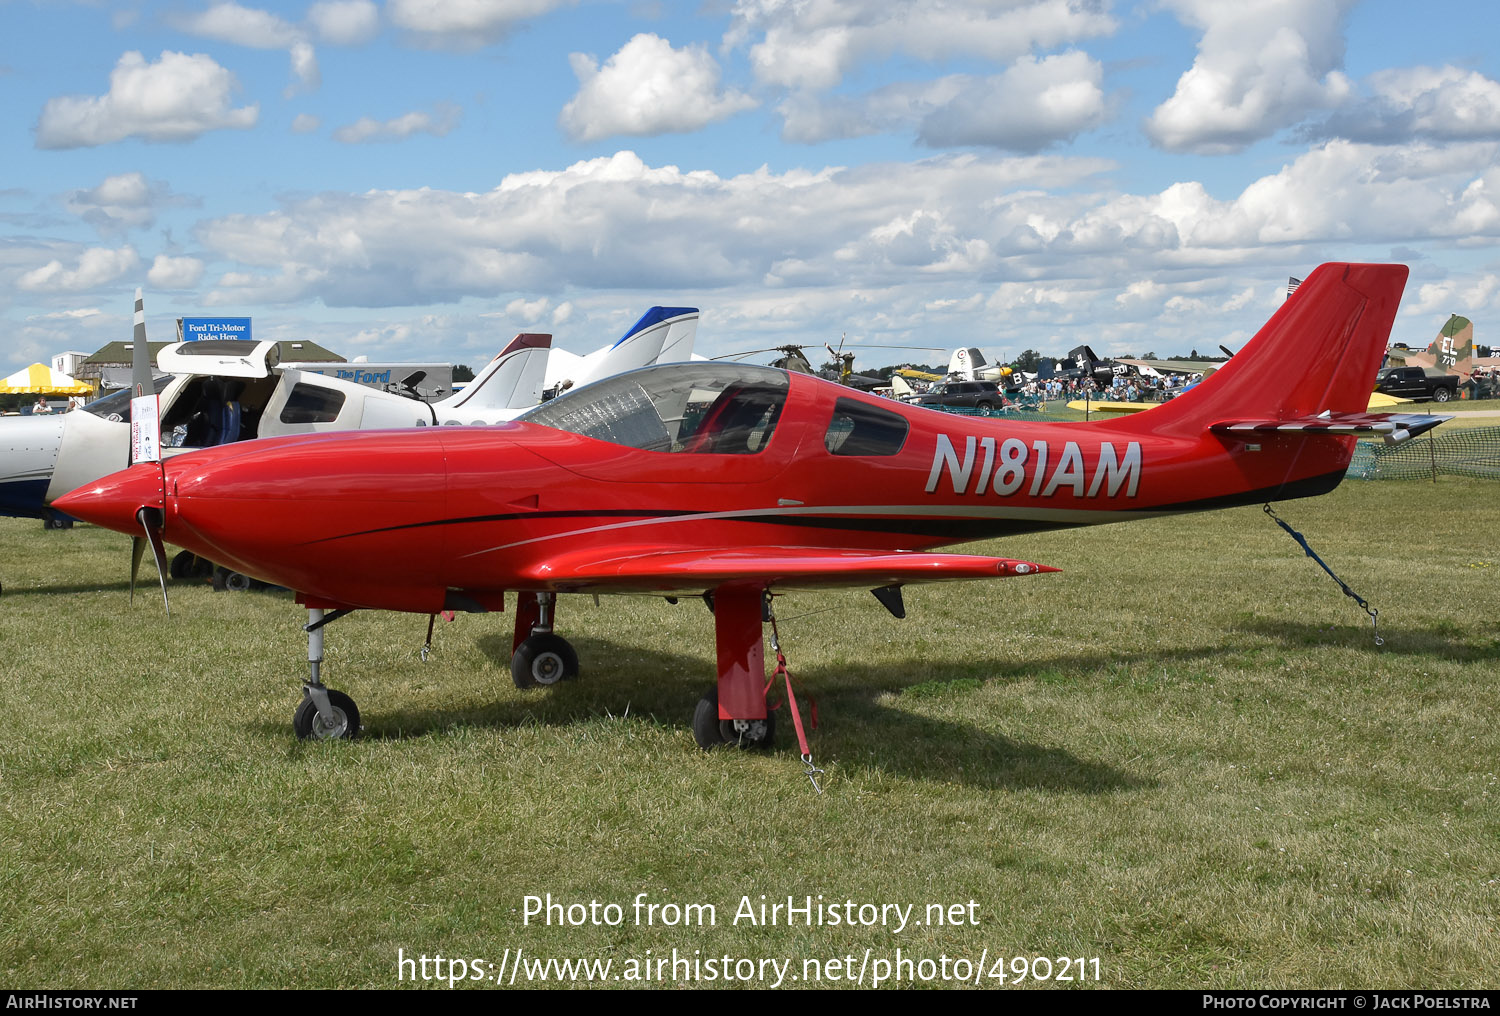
783 671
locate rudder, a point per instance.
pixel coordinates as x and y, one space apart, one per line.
1319 352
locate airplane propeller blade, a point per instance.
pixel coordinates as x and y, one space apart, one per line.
137 548
151 521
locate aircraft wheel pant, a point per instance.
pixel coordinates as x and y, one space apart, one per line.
734 711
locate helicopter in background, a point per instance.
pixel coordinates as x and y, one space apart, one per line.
794 358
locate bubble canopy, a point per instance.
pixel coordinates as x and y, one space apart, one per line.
721 409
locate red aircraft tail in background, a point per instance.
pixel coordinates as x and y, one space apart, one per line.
736 482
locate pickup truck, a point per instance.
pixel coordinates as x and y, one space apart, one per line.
1416 383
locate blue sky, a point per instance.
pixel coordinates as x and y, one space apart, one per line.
421 179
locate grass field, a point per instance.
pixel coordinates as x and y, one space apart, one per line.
1184 756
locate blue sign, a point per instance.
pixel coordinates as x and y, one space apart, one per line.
194 328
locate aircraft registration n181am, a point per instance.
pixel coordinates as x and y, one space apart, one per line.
738 482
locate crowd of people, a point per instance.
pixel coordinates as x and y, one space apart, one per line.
1136 388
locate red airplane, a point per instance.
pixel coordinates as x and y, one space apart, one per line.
737 482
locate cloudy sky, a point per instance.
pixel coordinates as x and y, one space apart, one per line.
420 179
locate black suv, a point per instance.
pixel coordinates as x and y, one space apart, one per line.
981 395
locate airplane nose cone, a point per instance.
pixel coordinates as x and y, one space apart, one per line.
113 500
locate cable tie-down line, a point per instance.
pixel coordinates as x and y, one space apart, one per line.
1302 541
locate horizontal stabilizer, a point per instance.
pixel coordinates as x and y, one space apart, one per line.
1394 427
784 567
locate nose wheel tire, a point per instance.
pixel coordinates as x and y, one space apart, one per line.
543 660
711 732
344 723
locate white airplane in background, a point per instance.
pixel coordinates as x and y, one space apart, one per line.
969 364
218 391
662 335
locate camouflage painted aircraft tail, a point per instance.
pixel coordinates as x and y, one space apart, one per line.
1452 352
1453 349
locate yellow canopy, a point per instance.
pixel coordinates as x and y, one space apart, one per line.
39 379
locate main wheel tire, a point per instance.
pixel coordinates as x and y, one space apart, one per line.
543 660
711 732
230 581
986 409
1441 395
187 565
706 721
309 726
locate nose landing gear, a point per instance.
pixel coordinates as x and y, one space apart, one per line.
540 658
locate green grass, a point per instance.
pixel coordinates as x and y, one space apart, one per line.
1184 755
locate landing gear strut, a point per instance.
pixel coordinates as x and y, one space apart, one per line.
540 658
734 712
324 714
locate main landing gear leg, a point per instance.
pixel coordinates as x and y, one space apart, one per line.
540 657
324 714
734 711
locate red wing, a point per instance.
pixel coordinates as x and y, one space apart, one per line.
623 568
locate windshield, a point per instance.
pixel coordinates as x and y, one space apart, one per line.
724 409
115 407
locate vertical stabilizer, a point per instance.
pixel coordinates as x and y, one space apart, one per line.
1318 353
511 381
659 331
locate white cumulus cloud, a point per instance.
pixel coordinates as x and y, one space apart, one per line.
177 98
647 88
243 26
464 24
1262 65
96 266
174 273
1035 103
1433 103
815 43
366 129
121 202
249 26
344 22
